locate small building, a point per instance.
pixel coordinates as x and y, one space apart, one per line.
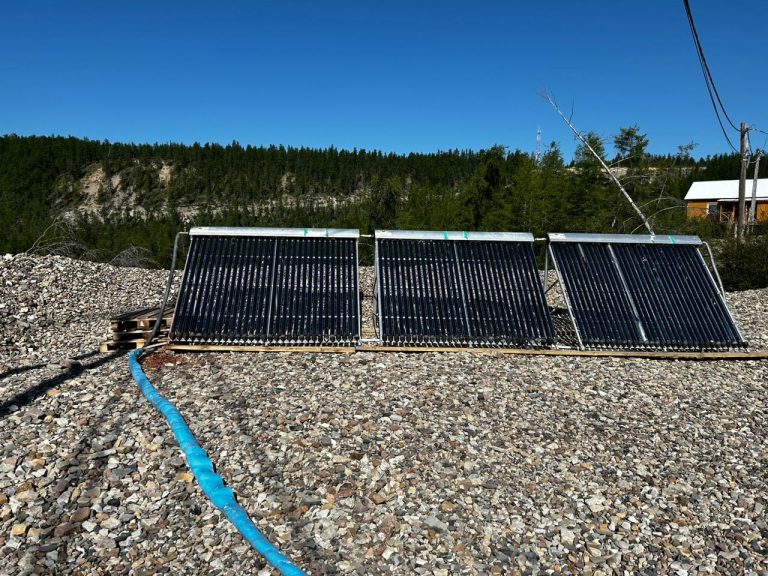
719 199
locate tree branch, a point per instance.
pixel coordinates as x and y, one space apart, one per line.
546 95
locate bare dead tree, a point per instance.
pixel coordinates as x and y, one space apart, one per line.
134 257
58 239
548 97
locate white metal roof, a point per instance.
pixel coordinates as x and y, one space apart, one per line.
726 190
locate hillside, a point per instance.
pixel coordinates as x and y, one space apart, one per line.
100 198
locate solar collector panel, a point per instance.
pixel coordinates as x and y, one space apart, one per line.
661 322
269 286
602 310
642 292
527 302
682 307
436 290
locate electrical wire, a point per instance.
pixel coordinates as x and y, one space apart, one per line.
167 293
714 95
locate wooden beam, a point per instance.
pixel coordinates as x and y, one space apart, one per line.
234 348
649 354
668 355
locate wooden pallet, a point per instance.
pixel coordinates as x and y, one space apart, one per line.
113 345
138 335
143 319
132 329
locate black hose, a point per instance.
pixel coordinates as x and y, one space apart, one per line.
168 285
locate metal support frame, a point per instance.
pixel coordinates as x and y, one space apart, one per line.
722 289
183 279
567 301
454 235
275 232
357 292
589 238
714 268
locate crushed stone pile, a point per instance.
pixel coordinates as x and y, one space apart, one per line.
369 463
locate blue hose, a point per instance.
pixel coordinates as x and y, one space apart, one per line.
211 483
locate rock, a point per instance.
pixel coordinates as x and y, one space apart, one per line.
311 501
596 503
18 530
110 523
371 463
80 515
26 496
185 477
65 529
436 524
70 363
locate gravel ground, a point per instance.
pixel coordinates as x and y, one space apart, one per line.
370 463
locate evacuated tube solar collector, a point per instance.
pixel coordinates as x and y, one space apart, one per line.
269 286
642 292
459 289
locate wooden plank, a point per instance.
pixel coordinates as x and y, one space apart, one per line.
111 345
141 323
149 323
133 314
756 355
137 335
143 318
226 348
142 313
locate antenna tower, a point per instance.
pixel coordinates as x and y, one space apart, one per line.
537 154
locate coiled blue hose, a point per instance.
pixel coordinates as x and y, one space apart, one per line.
211 483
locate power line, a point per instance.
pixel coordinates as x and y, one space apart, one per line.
756 129
714 95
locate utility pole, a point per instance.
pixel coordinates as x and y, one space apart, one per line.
753 203
744 140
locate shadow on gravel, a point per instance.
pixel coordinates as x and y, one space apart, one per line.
29 395
20 370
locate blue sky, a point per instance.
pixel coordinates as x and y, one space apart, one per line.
395 76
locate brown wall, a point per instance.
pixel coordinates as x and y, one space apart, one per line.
762 212
698 209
